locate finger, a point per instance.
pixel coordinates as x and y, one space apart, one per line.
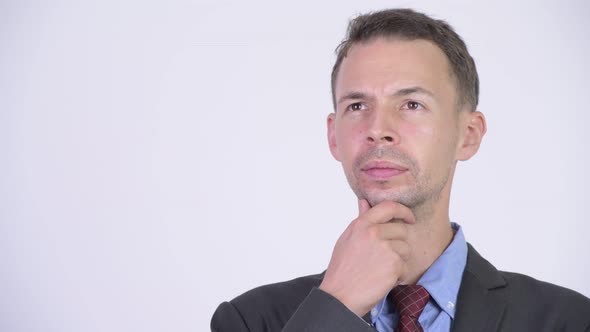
388 211
403 276
402 248
363 206
392 231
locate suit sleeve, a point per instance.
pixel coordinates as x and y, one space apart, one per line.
321 311
228 319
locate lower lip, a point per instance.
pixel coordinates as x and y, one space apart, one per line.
383 173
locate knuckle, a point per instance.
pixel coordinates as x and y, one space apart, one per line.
385 247
401 249
404 252
403 230
396 261
373 232
355 225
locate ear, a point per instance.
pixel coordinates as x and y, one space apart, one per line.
331 122
474 128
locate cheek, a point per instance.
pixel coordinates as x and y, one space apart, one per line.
418 132
427 144
434 146
350 139
416 137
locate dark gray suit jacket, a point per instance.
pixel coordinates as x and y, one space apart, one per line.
488 300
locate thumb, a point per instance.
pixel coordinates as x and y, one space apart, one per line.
363 206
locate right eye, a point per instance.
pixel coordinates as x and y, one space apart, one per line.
356 107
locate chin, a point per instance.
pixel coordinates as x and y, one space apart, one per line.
376 197
408 197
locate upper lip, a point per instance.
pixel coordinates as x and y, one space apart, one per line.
382 164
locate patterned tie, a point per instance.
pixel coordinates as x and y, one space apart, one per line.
410 301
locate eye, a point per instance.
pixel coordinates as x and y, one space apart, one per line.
412 105
356 107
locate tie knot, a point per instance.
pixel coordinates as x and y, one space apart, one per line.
410 300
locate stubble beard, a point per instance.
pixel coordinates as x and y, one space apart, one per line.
420 195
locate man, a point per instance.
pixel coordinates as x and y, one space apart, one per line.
405 92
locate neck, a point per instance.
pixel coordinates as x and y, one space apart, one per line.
428 237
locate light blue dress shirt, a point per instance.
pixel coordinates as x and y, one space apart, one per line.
442 281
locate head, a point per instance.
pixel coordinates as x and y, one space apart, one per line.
406 24
405 93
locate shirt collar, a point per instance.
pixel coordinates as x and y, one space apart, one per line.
443 278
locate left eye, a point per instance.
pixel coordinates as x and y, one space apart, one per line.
412 105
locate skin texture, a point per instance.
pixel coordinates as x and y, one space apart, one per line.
398 131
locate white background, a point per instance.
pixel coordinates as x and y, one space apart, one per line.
157 158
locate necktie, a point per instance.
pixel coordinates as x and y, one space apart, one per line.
410 301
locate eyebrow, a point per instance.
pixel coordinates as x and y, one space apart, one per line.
399 93
412 90
353 95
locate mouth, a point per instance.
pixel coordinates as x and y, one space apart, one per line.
382 170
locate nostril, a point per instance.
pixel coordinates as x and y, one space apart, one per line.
388 138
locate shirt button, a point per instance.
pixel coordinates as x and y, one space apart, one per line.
374 312
450 305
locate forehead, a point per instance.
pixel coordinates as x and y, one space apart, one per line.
385 64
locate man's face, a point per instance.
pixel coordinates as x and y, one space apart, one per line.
397 129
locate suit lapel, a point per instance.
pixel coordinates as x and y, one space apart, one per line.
367 318
480 306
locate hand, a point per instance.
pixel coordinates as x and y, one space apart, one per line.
370 256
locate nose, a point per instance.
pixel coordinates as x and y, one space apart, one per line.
382 128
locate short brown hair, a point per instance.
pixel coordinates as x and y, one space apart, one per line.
408 24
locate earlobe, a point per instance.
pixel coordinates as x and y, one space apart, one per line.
475 128
331 124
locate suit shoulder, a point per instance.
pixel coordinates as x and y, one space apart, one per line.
269 307
280 292
546 295
527 284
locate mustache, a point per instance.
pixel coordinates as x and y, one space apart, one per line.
386 153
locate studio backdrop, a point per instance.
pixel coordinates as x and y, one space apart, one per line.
159 157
